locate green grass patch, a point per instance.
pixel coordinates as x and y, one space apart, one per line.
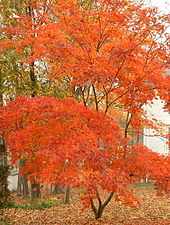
81 191
37 205
142 185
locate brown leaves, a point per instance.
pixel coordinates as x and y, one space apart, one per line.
153 210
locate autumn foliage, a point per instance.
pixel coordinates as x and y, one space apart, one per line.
114 52
60 141
112 56
59 137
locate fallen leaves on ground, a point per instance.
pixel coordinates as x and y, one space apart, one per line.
154 210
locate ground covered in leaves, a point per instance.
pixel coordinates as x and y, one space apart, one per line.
153 210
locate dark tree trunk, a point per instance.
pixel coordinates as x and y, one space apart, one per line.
4 168
33 80
4 172
101 206
35 190
25 186
35 187
58 189
23 181
67 199
19 185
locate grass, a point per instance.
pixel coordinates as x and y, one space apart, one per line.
143 185
37 205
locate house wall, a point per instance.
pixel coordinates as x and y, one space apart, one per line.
13 180
152 139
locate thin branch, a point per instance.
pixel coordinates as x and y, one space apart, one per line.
101 42
93 207
95 97
82 91
117 98
107 92
108 200
88 94
99 200
128 121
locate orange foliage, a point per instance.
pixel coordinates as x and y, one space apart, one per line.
60 141
118 50
113 52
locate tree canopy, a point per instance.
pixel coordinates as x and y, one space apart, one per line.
111 56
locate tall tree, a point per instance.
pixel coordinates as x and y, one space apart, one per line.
16 76
115 52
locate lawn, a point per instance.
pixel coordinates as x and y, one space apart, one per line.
50 210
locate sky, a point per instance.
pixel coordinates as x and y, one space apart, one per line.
163 5
155 143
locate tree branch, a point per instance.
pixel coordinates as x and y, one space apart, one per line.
95 97
93 207
108 200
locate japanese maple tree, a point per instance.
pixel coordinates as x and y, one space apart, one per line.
60 140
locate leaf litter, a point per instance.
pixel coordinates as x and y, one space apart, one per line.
154 210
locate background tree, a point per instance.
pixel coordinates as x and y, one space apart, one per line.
4 168
17 77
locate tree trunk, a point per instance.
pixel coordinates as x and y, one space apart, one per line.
33 80
98 212
25 186
58 189
4 168
4 172
35 186
23 181
19 185
67 199
35 190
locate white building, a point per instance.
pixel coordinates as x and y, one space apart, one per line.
13 180
152 139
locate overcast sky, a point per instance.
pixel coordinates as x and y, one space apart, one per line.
163 5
